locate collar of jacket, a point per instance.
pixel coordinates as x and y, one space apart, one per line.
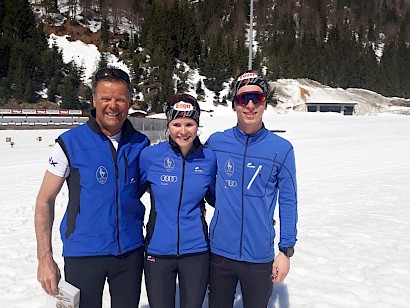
175 147
127 128
242 137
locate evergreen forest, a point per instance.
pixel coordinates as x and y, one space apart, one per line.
340 43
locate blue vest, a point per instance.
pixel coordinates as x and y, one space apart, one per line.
104 215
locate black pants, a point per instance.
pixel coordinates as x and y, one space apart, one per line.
124 275
255 280
160 280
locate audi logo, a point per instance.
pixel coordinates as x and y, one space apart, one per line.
169 178
231 183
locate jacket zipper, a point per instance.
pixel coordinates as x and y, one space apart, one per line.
243 185
117 219
125 168
179 206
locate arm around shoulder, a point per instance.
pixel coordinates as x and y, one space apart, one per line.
210 195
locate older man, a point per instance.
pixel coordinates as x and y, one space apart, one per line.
102 226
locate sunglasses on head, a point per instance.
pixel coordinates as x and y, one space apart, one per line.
244 98
114 73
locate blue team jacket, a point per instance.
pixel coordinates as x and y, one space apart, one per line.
177 186
104 214
252 171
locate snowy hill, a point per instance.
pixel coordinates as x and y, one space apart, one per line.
290 94
293 94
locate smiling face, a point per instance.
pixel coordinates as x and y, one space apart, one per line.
111 101
250 115
183 132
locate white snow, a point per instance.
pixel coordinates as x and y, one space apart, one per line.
83 55
353 175
354 235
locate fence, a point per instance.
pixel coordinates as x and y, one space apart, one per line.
154 128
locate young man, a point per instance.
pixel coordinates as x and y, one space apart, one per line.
256 168
102 227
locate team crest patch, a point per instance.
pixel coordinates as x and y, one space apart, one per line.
229 167
101 174
169 164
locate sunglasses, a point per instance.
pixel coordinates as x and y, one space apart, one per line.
244 98
114 73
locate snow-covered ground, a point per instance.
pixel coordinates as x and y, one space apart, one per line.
354 235
353 175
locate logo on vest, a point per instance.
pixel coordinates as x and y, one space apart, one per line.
169 164
169 178
250 165
230 183
101 175
229 167
51 162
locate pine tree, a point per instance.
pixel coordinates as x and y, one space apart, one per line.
69 88
5 44
4 58
22 69
214 65
327 41
50 6
390 70
2 14
104 34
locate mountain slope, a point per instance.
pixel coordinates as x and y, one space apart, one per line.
293 94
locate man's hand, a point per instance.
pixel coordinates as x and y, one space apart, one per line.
48 274
280 267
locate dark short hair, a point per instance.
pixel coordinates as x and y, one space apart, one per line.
111 74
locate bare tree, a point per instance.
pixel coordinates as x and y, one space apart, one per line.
87 7
49 5
72 8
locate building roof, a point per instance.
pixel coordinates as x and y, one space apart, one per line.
348 103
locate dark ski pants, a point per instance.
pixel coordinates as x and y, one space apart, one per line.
160 280
123 273
255 280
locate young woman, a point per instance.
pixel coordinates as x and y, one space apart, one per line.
178 173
